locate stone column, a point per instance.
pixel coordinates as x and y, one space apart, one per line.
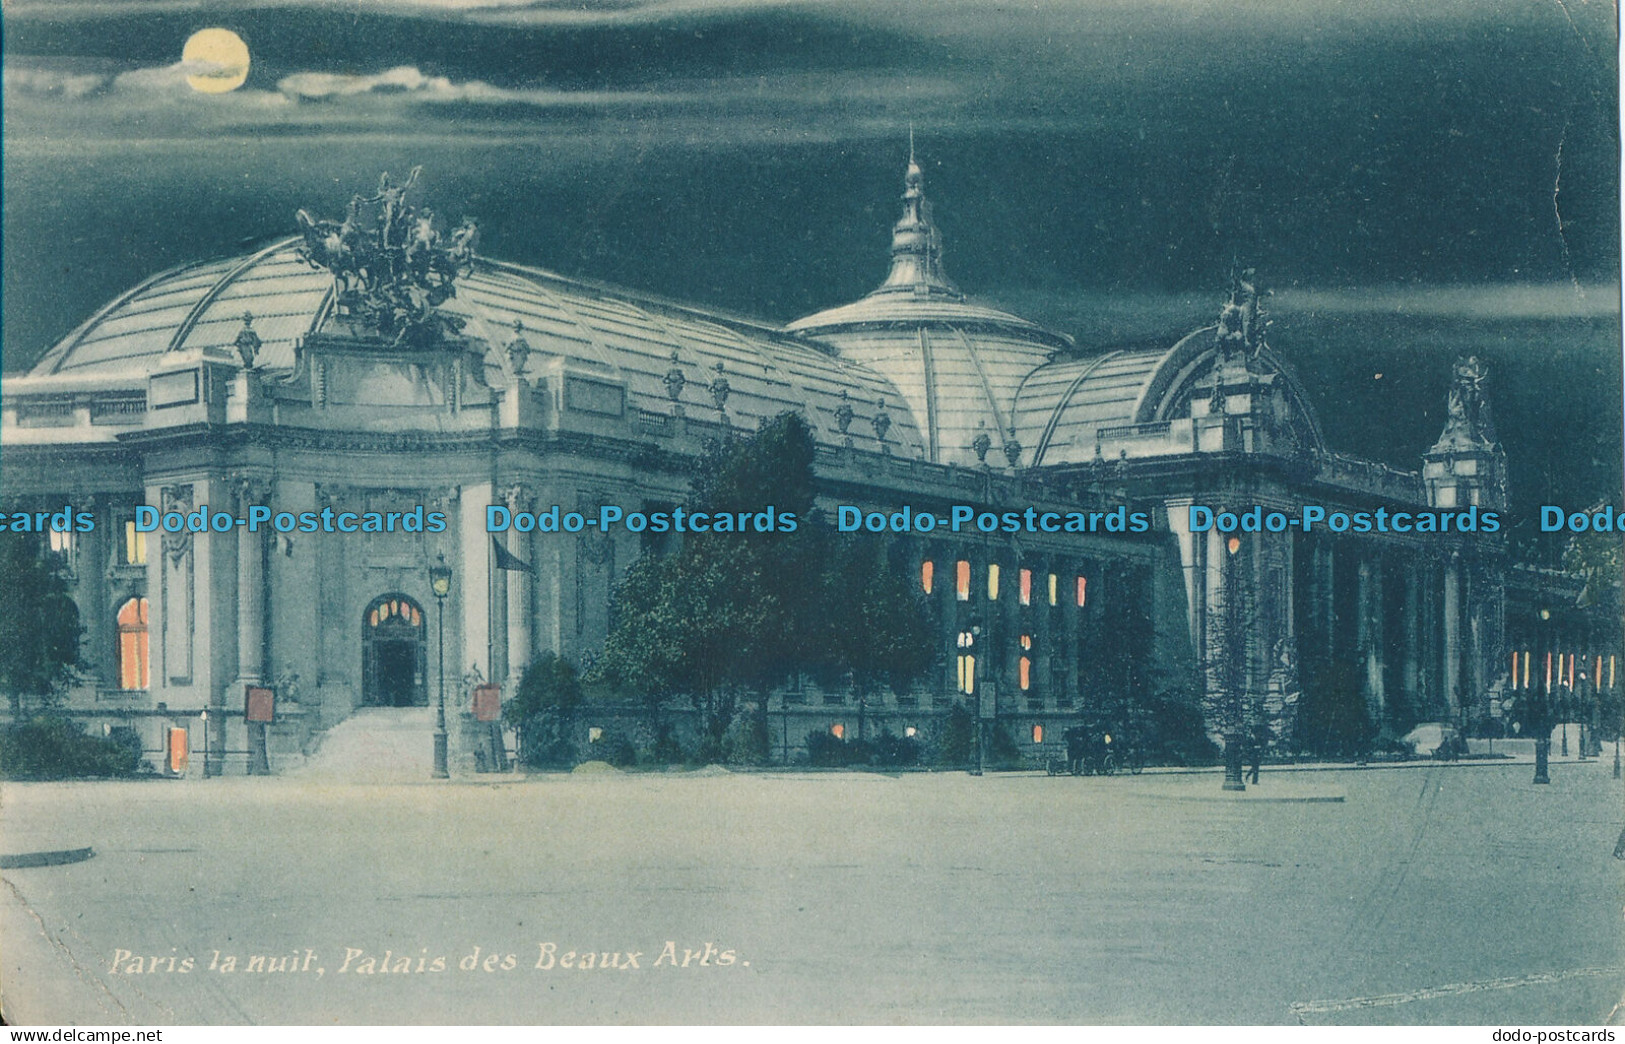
250 619
519 585
1452 633
1408 673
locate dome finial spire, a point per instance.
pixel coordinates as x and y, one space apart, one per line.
916 246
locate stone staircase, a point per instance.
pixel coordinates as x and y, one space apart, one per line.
374 745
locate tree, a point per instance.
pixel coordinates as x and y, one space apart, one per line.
728 613
40 630
548 694
875 621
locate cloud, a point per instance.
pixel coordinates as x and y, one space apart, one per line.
403 79
170 77
57 83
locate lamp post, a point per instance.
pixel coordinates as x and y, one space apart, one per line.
1542 712
440 584
1234 669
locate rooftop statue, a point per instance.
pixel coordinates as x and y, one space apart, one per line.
1241 321
1468 422
392 266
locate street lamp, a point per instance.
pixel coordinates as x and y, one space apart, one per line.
440 584
1234 649
1542 712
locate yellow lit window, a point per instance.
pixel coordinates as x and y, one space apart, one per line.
1026 587
1514 670
1610 672
132 644
1526 658
962 580
927 568
1054 589
135 545
992 581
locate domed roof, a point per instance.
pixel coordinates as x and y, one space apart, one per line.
664 353
196 306
958 364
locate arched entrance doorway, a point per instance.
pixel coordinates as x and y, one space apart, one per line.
392 653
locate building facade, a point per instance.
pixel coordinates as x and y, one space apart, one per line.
375 364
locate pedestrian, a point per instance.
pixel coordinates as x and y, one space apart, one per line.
1257 758
1074 751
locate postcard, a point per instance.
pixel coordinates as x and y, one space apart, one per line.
744 512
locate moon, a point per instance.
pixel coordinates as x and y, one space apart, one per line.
222 60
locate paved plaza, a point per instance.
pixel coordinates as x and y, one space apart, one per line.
1429 894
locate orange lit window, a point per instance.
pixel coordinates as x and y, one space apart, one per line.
1027 642
132 644
1054 589
992 581
962 580
927 570
1083 589
1571 670
1548 671
838 730
1026 587
1025 675
135 545
1514 670
1038 733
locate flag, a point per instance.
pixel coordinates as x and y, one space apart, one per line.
508 560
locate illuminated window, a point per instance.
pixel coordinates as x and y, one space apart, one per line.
1514 670
1026 587
1027 642
1596 674
132 644
927 569
1025 673
992 581
911 731
1571 670
1038 733
61 543
1526 659
1548 671
135 545
838 730
962 580
1083 589
1054 589
965 663
1610 672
